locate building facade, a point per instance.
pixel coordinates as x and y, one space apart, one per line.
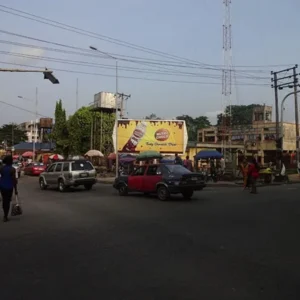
258 138
33 132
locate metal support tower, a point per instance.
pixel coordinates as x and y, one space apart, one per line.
227 76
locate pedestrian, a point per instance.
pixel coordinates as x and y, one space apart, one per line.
253 173
244 169
188 163
178 160
8 183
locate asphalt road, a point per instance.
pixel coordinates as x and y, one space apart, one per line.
224 244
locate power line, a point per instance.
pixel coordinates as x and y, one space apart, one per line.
148 63
21 108
77 30
161 62
111 67
136 78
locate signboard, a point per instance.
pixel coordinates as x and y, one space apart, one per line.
46 122
164 136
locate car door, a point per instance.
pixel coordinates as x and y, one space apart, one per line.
50 175
151 178
135 180
58 171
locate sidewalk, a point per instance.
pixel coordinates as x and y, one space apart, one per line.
294 178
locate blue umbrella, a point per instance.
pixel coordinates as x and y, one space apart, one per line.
205 154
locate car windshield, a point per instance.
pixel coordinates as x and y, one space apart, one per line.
38 164
177 169
82 166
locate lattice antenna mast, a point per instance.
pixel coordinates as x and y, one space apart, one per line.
227 71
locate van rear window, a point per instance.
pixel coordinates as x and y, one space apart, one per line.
82 166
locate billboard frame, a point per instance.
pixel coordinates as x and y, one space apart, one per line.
185 134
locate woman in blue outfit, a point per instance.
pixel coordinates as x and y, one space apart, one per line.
8 183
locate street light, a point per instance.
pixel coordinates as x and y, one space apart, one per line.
116 59
35 121
281 125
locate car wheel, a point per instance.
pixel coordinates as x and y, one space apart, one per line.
188 194
162 193
61 186
88 186
43 186
123 191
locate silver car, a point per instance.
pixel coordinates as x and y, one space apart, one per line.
65 174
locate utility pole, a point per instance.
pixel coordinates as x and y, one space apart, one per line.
77 94
12 135
35 128
276 105
123 97
296 111
227 78
289 80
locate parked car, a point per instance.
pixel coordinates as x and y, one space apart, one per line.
162 179
34 169
18 167
66 174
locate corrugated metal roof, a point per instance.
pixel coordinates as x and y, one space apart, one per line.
38 146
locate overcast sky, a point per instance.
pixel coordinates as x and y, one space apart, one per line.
263 34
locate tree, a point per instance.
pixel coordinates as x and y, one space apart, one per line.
79 129
152 117
194 124
11 134
241 115
60 131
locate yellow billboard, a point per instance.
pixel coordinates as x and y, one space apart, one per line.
164 136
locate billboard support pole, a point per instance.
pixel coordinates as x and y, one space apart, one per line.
117 154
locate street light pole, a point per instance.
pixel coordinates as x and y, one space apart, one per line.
281 125
117 95
117 153
35 125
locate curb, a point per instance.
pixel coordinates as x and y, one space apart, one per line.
104 181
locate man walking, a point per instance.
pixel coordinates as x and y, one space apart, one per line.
178 160
188 164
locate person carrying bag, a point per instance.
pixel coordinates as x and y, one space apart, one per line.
16 209
8 184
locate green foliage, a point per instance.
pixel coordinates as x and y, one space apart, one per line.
60 132
241 115
152 117
193 124
12 134
80 127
